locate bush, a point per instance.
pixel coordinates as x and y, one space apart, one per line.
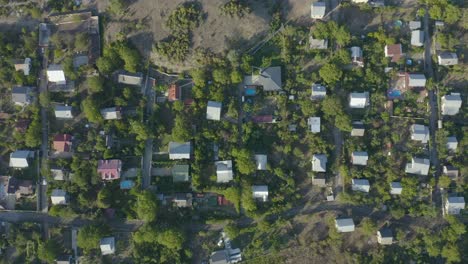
235 8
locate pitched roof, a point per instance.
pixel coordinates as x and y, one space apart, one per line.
359 100
63 142
418 166
416 80
318 91
107 245
224 171
109 169
358 129
361 185
180 173
394 51
21 95
414 25
213 110
319 162
447 58
344 222
417 38
63 111
318 10
318 43
314 124
420 133
269 78
395 188
130 78
179 150
111 113
451 104
56 74
19 158
360 158
260 191
261 161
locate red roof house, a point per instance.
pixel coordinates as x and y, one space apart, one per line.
63 143
263 119
394 51
173 93
109 169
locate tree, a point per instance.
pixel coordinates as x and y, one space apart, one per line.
146 206
171 238
90 236
220 75
444 181
182 128
330 73
368 226
236 76
48 251
95 84
44 99
33 134
81 41
130 56
104 198
117 7
198 77
141 131
244 161
91 110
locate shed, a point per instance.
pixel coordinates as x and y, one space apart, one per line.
314 124
111 113
385 236
224 171
318 10
344 225
395 188
63 112
358 129
417 38
359 100
107 245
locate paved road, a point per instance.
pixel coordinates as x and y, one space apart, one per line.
42 189
148 155
338 140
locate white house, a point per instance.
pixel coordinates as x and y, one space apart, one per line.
224 171
359 1
213 110
107 245
344 225
111 113
453 205
359 100
21 95
447 58
358 129
417 38
452 144
395 188
359 158
58 196
261 161
317 10
63 112
356 56
360 185
318 91
314 124
385 236
260 192
179 150
319 162
55 74
416 80
418 166
451 104
130 78
420 133
19 158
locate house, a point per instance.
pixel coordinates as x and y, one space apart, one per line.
344 225
22 95
359 1
111 113
413 25
179 150
260 192
23 65
63 112
219 257
224 171
79 61
19 158
452 144
415 80
418 166
130 78
318 91
450 171
453 205
174 93
183 200
395 188
451 104
393 51
318 43
359 158
417 38
109 169
359 100
356 56
269 78
261 161
107 245
62 143
58 196
319 162
19 188
55 74
314 124
420 133
358 129
317 10
447 58
385 236
360 185
58 174
319 181
44 35
180 173
213 110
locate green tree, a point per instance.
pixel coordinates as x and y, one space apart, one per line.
117 7
141 131
368 226
171 238
236 76
48 251
444 181
220 75
104 198
81 41
32 138
330 73
182 129
244 161
91 110
90 236
95 84
146 206
198 77
131 58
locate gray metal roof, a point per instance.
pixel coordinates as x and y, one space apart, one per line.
269 78
416 80
418 166
319 162
318 9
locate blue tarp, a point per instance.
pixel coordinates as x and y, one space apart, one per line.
128 184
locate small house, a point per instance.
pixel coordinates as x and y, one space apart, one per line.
447 58
55 74
451 104
20 158
219 257
268 78
130 78
393 51
385 236
213 110
453 205
107 245
417 38
22 95
111 113
359 158
179 151
260 192
358 129
418 166
23 65
356 56
344 225
360 185
395 188
174 93
420 133
415 80
317 10
450 171
58 196
80 60
359 100
261 161
413 25
183 200
64 259
19 188
319 44
314 124
319 162
452 144
360 1
62 143
180 173
58 174
224 171
318 92
63 112
109 169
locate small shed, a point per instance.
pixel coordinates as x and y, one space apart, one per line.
107 245
417 38
359 100
358 129
344 225
395 188
58 196
314 124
